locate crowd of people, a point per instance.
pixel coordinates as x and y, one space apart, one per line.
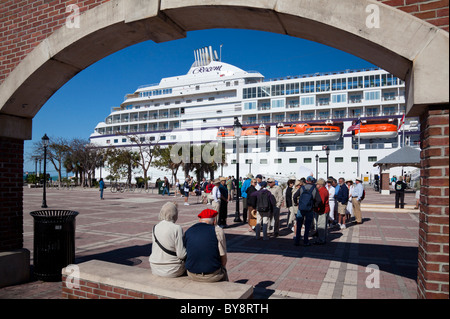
200 253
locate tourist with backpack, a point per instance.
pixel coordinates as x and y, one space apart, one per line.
265 202
400 187
321 212
357 197
308 198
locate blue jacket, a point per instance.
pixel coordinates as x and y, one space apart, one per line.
342 194
244 187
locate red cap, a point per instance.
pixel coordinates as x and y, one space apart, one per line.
208 213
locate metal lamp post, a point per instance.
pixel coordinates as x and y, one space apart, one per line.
237 128
327 151
317 166
45 140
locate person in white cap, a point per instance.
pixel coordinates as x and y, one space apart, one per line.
356 200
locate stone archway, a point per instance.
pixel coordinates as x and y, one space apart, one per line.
400 43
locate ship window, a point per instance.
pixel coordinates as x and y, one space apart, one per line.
277 103
291 130
277 161
227 83
307 100
152 138
326 129
293 160
277 89
355 82
292 88
182 110
249 93
249 105
188 101
116 140
338 84
339 98
263 161
212 98
282 131
388 79
354 159
197 87
319 129
372 95
199 100
263 91
323 86
307 160
372 158
371 81
339 159
124 140
307 87
177 102
236 82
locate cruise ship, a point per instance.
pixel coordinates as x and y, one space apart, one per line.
287 123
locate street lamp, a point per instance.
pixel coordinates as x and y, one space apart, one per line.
317 166
45 140
237 128
327 151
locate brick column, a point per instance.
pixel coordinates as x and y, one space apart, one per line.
433 279
11 194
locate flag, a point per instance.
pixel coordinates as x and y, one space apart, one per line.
402 121
355 125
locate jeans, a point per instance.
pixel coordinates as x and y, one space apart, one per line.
308 217
166 189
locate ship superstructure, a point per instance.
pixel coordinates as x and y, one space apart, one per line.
286 121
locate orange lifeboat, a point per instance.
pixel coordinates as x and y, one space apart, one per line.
248 133
383 130
309 133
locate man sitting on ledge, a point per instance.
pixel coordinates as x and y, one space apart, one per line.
206 249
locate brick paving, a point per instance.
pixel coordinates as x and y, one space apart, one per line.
118 229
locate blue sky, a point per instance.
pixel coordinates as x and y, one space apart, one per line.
76 108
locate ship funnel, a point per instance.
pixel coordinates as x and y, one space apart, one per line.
205 56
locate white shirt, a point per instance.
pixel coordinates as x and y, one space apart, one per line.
216 194
331 192
170 236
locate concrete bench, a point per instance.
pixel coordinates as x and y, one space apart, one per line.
104 280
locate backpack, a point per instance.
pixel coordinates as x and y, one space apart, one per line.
306 200
263 202
363 195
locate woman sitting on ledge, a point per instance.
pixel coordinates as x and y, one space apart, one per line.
168 251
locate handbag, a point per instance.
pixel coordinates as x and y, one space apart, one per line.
170 252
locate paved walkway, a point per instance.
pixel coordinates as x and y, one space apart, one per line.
118 229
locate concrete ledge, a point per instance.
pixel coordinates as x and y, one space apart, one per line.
14 267
99 280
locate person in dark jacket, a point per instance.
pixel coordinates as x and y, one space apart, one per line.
262 217
400 187
251 204
306 216
206 249
341 198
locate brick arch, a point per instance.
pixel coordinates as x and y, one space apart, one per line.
40 53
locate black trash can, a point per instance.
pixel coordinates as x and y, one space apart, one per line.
54 242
